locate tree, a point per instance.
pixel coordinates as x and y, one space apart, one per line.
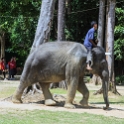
110 24
101 21
61 20
119 35
61 30
42 34
79 17
45 20
18 19
109 34
96 79
119 44
60 35
2 41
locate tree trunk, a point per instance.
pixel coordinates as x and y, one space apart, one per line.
110 24
2 40
61 31
60 36
101 21
61 20
42 34
44 24
96 79
68 5
109 38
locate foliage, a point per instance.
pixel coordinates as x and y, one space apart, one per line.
119 34
19 19
120 80
79 18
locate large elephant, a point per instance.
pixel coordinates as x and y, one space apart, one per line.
56 61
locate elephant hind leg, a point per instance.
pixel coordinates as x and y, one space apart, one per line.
27 79
48 96
18 93
16 98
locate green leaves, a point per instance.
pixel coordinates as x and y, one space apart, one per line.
119 35
79 19
19 19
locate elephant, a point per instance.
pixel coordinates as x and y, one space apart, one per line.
97 64
57 61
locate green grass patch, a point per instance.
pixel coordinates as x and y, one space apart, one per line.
94 99
7 89
58 91
113 99
6 92
98 99
9 116
54 117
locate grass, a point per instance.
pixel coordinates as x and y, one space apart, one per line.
58 91
13 116
50 117
97 99
7 89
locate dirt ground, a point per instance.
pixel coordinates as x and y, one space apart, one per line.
36 101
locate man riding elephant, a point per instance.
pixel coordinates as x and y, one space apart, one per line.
57 61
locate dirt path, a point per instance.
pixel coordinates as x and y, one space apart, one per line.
115 110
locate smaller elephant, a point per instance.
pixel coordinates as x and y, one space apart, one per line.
97 64
57 61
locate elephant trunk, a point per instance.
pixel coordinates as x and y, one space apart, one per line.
105 78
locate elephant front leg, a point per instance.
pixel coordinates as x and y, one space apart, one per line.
85 92
72 87
48 96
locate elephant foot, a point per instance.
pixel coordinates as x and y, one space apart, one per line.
84 103
105 108
16 100
69 105
50 102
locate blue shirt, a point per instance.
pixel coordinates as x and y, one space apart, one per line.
89 35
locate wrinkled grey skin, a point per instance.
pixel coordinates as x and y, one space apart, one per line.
97 61
54 62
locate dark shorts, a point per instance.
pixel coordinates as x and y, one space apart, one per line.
88 48
11 71
15 71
